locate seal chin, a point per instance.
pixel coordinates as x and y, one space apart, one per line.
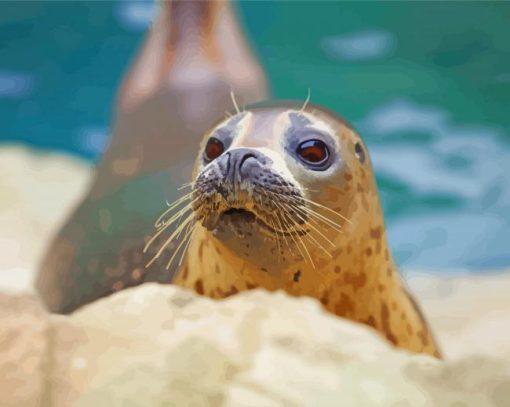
243 221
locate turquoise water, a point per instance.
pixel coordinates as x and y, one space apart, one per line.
426 83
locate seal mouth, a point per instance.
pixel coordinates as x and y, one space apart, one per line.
245 216
250 199
240 214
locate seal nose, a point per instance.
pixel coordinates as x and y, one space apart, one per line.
242 162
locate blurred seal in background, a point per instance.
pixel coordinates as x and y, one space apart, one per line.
180 82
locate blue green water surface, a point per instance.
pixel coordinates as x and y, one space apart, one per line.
426 83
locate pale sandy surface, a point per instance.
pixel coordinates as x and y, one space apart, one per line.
37 191
470 314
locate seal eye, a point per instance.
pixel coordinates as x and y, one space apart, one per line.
359 152
214 148
314 152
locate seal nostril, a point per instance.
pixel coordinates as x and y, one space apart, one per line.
228 163
244 164
245 158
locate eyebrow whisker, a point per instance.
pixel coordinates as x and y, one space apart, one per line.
306 100
232 96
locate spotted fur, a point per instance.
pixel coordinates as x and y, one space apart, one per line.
358 280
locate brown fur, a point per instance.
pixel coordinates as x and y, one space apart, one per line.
359 282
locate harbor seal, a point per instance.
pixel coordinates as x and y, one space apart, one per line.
179 84
284 197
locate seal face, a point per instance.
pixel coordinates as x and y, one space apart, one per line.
285 198
255 199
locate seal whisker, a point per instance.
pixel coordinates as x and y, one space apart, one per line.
161 222
306 249
314 241
283 234
311 212
186 185
232 96
302 243
176 203
292 237
324 237
187 228
306 100
308 211
297 211
190 238
184 240
165 226
178 200
316 218
169 240
319 216
309 235
273 225
286 212
326 208
277 237
171 207
296 199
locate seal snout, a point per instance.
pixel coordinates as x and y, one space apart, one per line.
241 186
241 164
237 173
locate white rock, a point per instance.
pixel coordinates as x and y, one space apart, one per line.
158 345
24 349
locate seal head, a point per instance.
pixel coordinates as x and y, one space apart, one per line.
284 197
258 179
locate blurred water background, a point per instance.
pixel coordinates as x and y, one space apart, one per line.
426 83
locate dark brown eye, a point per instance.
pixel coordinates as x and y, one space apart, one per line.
214 148
314 152
360 152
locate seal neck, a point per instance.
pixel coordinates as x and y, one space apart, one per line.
356 266
359 283
190 26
